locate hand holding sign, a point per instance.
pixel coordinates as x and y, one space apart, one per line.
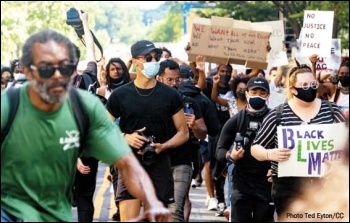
278 155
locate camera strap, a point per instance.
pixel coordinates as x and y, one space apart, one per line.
95 41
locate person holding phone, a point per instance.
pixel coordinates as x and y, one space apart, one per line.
251 192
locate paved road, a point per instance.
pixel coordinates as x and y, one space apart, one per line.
105 207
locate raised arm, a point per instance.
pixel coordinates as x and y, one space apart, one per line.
215 93
89 41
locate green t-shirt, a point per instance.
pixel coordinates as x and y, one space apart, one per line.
39 155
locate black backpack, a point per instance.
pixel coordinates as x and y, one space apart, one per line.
79 111
86 82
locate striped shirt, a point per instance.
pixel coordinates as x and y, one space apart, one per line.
267 135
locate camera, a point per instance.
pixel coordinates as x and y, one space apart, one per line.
73 19
148 156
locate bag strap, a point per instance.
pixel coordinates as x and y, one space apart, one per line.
89 84
95 41
331 108
241 119
80 115
279 111
79 111
13 95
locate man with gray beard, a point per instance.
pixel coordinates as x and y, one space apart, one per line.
39 154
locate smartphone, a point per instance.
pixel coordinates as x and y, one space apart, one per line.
188 108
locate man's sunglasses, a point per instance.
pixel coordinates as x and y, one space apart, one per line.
66 70
149 58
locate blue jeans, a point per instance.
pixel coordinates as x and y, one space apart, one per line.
229 183
6 217
182 181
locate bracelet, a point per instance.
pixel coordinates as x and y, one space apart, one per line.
267 155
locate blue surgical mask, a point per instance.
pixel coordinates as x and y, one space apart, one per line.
150 69
257 102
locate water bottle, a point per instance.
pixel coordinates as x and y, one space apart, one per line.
239 140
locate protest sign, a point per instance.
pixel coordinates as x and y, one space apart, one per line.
324 65
330 65
316 35
224 40
199 37
311 147
277 57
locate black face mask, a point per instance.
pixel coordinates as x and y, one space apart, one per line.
225 78
241 95
115 83
344 81
257 102
306 95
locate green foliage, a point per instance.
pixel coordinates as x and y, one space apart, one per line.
21 19
293 13
170 28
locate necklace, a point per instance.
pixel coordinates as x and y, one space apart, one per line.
145 95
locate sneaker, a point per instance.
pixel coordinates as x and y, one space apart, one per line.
221 209
213 204
116 216
207 200
194 183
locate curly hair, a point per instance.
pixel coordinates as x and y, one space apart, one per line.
236 81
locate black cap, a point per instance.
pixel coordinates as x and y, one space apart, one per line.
143 47
258 82
185 71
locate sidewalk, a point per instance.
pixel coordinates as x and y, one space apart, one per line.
105 207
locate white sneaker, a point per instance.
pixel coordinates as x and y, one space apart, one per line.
194 183
207 200
213 204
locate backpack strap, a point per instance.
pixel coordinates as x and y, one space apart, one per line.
80 115
13 95
331 108
279 111
90 85
241 119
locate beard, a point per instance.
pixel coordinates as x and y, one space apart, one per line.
44 90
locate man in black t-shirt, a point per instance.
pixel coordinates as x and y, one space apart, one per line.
148 109
184 156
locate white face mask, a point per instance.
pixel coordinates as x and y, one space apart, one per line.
18 76
150 69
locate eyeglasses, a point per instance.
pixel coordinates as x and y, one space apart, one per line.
171 80
149 58
307 85
48 71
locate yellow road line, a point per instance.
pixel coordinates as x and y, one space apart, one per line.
98 202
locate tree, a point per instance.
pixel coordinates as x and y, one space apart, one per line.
293 11
170 28
19 20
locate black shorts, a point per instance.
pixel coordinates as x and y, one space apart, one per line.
161 177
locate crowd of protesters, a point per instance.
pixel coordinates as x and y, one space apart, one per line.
163 124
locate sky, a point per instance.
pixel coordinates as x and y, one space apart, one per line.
144 4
